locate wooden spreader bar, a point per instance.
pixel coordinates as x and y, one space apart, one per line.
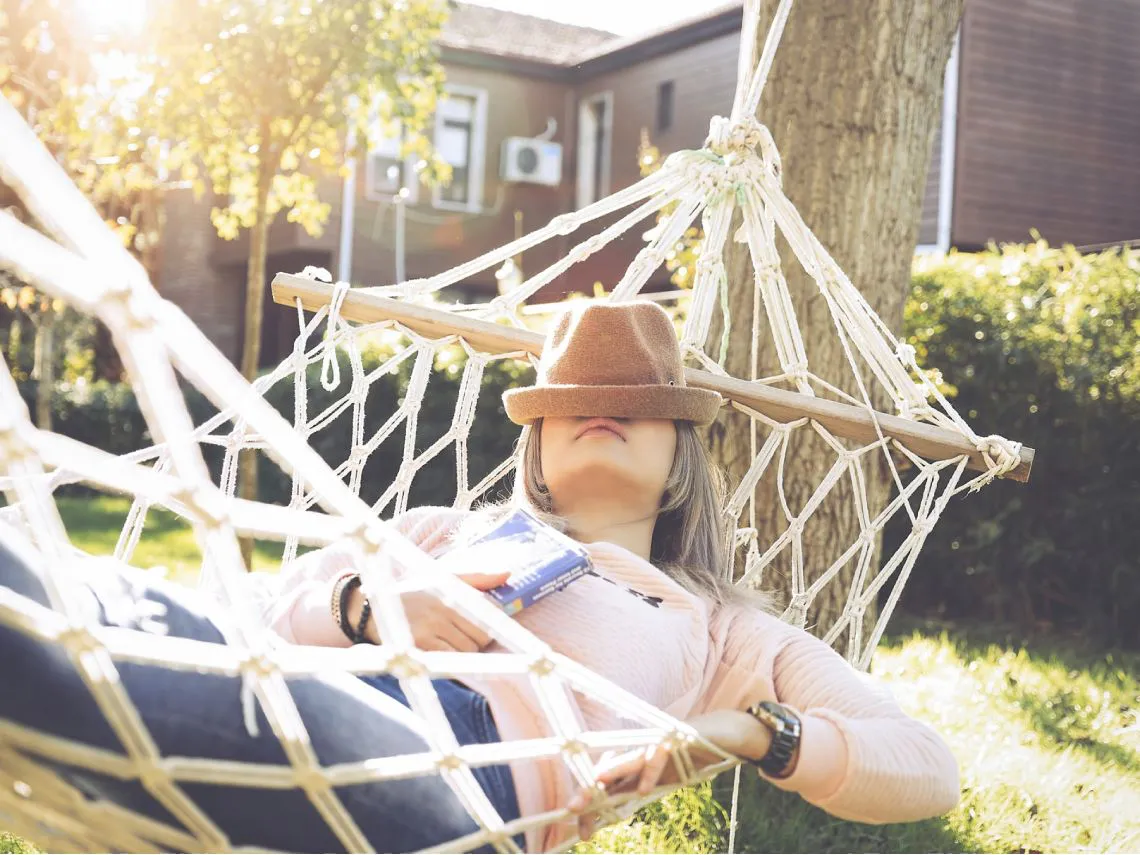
846 420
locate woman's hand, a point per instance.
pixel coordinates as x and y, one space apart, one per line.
434 625
734 732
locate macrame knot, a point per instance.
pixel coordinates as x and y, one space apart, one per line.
452 762
726 136
1001 456
77 640
924 526
154 777
404 666
310 778
573 746
905 352
203 502
541 666
315 273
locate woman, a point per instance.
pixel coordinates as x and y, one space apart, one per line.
613 459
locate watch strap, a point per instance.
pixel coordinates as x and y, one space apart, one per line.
783 753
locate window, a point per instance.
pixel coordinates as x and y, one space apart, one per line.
386 173
461 140
664 106
595 133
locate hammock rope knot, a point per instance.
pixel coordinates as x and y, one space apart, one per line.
741 138
449 762
541 666
1001 455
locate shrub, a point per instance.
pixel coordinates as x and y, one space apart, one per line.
1041 345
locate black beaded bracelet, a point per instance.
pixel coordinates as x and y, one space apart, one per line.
360 631
349 585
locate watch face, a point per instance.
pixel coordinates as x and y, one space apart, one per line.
785 726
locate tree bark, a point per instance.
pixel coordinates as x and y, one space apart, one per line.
251 336
852 102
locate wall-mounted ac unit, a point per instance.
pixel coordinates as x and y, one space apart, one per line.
531 161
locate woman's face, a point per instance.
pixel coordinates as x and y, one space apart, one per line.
591 459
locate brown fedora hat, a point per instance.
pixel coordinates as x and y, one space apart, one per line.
612 359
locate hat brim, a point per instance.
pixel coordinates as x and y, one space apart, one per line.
684 403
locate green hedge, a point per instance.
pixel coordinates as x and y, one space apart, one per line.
1042 345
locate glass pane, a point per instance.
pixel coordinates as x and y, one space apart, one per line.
453 142
457 108
386 175
456 191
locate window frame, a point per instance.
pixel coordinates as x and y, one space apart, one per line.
409 176
600 163
477 153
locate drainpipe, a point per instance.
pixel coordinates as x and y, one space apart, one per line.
347 211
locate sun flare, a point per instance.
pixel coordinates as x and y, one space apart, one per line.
112 15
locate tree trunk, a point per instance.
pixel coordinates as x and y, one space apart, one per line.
251 340
44 369
852 102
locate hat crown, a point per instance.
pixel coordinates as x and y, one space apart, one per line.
612 344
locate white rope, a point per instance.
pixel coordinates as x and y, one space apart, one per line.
80 261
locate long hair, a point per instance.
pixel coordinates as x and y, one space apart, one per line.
690 543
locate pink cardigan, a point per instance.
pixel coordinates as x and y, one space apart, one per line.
861 757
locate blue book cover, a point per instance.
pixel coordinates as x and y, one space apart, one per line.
541 560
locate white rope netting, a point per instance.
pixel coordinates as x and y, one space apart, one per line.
76 258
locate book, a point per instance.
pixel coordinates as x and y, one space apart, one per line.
540 559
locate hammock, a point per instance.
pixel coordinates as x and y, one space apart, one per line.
79 260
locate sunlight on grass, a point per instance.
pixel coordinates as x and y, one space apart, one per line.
1048 743
93 523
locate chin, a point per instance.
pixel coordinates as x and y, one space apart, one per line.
604 476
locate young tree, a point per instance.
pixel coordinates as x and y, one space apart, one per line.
853 102
262 94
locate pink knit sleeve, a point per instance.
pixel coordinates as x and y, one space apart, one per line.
298 608
862 758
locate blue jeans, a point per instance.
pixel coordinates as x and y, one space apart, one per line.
349 719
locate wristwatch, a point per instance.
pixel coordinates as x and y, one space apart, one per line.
784 752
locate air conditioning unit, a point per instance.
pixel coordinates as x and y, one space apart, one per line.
531 161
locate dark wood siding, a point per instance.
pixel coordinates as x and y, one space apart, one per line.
704 79
1049 122
928 226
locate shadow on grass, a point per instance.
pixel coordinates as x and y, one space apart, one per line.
970 641
1060 721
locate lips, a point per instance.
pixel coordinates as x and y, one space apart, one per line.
602 424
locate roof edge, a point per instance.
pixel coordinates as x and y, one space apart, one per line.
608 57
612 57
475 58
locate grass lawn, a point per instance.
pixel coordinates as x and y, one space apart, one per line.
1046 731
94 523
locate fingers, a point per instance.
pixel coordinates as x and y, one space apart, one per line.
586 823
655 763
485 581
460 635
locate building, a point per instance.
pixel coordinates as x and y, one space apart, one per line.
1040 129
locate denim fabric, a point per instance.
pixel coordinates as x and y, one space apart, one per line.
200 715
